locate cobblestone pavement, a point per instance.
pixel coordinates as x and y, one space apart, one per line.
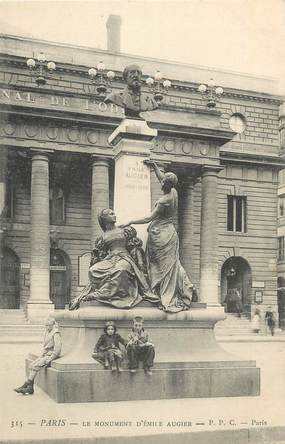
40 417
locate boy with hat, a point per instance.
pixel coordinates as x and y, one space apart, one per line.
139 347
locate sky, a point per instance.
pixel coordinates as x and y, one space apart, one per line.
240 35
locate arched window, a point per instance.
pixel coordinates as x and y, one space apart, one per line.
57 206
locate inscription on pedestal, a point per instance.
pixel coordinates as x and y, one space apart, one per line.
132 190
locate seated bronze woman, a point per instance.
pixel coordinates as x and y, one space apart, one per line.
116 274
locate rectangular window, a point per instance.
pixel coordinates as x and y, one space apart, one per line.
57 206
281 248
236 214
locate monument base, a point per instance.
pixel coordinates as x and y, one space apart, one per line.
38 311
188 363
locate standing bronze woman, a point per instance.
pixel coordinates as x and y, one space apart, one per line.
167 277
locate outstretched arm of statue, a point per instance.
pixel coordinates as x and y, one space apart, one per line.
144 220
159 174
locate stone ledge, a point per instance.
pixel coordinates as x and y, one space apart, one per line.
101 313
100 385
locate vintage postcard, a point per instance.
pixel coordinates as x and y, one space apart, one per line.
142 267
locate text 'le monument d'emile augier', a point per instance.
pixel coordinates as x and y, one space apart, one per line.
138 188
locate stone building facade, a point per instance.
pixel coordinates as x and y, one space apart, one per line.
281 226
57 172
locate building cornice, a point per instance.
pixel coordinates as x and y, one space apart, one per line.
81 71
252 159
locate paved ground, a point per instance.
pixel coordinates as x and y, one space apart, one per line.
37 416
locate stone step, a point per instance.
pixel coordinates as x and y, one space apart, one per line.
12 317
233 325
21 330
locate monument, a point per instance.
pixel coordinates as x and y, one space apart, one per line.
189 361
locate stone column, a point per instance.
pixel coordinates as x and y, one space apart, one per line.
100 193
3 173
39 304
186 235
209 237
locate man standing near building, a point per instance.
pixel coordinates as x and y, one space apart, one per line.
270 321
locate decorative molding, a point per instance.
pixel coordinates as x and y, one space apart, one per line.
20 62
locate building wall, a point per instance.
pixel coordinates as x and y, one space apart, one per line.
258 244
247 172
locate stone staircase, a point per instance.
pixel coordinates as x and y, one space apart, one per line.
12 317
234 326
14 325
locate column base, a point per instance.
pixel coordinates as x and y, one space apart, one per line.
39 311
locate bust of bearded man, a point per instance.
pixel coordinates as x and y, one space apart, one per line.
131 98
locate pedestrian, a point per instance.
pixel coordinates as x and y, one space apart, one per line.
270 321
107 350
51 351
255 322
238 302
140 347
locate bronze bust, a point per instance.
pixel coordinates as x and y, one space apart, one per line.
131 98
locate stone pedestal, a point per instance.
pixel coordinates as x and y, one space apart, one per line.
132 192
188 363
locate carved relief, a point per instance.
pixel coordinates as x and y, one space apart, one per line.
184 147
51 133
32 130
204 148
9 129
187 148
73 134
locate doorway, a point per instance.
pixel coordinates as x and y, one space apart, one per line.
236 279
10 274
59 278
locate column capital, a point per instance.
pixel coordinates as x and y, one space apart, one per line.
38 153
211 170
100 160
190 177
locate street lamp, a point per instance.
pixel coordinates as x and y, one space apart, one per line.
157 86
41 68
101 79
212 93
